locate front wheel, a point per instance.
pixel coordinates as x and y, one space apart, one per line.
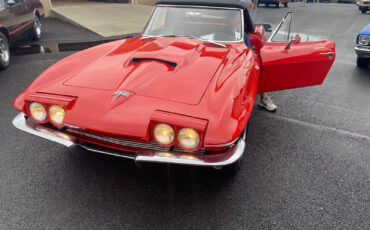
4 52
363 10
277 5
35 33
363 62
286 4
234 168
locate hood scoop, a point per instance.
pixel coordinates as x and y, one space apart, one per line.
138 60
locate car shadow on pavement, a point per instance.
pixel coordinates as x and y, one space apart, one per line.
362 76
174 177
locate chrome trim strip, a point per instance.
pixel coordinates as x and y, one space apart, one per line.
360 50
238 152
206 7
222 145
72 126
197 6
278 27
110 153
120 141
141 145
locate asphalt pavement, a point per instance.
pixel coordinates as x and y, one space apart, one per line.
306 166
56 31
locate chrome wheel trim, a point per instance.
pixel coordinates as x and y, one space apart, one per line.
4 51
37 26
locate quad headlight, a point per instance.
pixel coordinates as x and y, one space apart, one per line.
364 40
37 111
188 138
56 114
164 134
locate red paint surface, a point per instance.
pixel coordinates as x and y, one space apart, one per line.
301 65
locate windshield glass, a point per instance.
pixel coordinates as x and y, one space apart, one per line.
209 24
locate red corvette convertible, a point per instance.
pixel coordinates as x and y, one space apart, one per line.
182 92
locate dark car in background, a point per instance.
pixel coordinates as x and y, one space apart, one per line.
18 19
363 47
276 3
363 5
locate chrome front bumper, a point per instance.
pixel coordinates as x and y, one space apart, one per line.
217 160
362 52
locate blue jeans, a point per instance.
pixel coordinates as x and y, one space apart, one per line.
247 41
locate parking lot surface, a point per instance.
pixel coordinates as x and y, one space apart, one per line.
306 166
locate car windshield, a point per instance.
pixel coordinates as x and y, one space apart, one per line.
211 24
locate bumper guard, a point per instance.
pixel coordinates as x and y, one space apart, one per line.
362 52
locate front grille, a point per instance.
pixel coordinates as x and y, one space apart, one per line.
149 146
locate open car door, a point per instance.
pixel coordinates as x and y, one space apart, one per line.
288 63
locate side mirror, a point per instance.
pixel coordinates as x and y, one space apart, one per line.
295 40
10 2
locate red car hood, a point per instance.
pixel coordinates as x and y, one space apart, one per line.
175 69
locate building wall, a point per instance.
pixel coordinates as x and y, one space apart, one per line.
48 4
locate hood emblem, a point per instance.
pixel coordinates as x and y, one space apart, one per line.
121 93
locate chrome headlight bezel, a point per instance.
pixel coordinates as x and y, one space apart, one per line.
363 40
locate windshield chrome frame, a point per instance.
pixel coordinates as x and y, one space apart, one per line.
204 7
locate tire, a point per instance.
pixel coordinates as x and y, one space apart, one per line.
234 168
363 62
4 52
35 33
286 4
363 11
267 5
277 5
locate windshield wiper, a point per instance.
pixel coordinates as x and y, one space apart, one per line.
146 37
178 35
215 43
167 36
192 37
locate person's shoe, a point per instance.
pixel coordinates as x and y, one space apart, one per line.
267 104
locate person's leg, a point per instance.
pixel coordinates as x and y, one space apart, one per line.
267 103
